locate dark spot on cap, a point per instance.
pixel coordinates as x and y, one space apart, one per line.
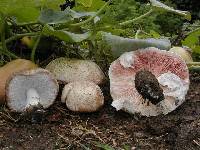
148 86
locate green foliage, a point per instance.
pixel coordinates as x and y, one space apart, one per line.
65 35
84 22
193 41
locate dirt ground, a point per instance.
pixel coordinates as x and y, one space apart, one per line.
62 129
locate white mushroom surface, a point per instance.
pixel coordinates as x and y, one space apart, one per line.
68 70
30 88
168 68
82 96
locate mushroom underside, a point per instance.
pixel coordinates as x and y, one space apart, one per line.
149 82
25 91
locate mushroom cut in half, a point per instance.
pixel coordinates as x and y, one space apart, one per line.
29 89
82 96
68 70
148 82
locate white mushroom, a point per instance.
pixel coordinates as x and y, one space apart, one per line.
31 88
67 70
82 96
148 81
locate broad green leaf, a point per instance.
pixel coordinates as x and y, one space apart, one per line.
95 6
85 3
196 49
50 16
22 10
193 41
65 35
50 4
160 6
120 45
26 11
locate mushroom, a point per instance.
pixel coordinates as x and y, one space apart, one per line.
7 70
32 88
183 52
82 96
67 70
148 81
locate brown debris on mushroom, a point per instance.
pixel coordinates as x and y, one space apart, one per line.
82 96
29 89
170 71
68 70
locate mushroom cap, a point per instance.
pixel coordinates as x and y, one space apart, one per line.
169 69
67 70
31 88
183 53
12 67
82 96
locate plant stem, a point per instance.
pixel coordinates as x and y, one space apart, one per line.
5 51
193 63
21 35
34 48
92 17
136 19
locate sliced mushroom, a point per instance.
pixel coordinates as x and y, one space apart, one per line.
7 70
82 96
32 88
148 81
68 70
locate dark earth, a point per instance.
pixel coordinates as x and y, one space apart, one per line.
63 129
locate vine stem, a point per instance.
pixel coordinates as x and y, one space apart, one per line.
21 35
34 48
92 17
193 63
5 51
136 19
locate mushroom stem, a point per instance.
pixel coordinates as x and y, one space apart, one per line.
33 97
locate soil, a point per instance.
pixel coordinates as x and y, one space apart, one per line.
63 129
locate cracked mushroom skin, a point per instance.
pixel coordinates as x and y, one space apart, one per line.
148 82
32 88
82 96
68 70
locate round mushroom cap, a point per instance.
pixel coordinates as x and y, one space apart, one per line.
12 67
31 88
82 96
68 70
161 90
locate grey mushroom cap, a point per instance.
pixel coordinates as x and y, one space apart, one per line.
68 70
31 88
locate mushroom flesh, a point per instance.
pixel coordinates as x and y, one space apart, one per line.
31 88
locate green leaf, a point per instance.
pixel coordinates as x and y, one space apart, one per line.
85 3
95 6
22 10
193 41
154 34
50 4
160 6
65 35
120 45
26 11
50 16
